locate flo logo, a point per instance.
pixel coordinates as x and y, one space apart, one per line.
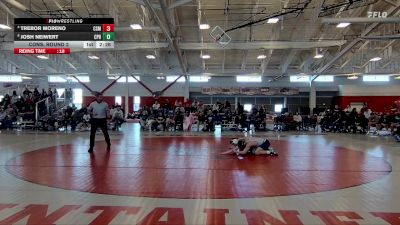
377 14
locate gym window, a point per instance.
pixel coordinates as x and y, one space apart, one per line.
118 100
5 78
325 78
242 79
247 107
62 79
278 108
60 92
198 79
300 78
136 103
376 78
130 79
77 97
173 78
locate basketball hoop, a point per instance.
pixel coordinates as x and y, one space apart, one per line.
219 36
156 94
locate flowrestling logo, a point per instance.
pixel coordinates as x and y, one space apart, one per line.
376 14
35 214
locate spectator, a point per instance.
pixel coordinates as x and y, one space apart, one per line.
156 105
297 121
43 95
167 105
170 123
118 117
373 120
36 95
85 122
209 122
187 124
26 92
352 118
14 97
160 122
384 122
6 102
364 108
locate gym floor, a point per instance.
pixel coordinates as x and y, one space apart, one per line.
180 178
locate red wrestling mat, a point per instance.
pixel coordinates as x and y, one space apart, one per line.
191 167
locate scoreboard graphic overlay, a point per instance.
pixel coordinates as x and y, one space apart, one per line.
61 35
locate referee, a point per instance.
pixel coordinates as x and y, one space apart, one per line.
100 112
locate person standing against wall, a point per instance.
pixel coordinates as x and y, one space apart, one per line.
99 112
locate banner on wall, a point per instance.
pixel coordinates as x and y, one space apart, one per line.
249 91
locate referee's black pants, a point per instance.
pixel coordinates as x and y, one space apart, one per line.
96 123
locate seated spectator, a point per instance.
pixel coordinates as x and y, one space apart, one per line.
76 118
188 121
179 116
209 122
160 121
2 118
156 106
395 122
373 120
143 115
367 113
170 123
351 120
26 92
84 125
9 116
14 98
167 105
5 102
297 119
288 121
118 117
362 123
150 122
384 122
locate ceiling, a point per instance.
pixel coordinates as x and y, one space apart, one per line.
171 33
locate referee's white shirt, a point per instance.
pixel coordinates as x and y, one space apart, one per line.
99 110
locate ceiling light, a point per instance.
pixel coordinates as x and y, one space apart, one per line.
26 78
375 59
205 56
42 57
111 77
136 26
4 27
353 77
261 57
160 78
318 56
150 56
273 20
204 26
93 57
343 25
